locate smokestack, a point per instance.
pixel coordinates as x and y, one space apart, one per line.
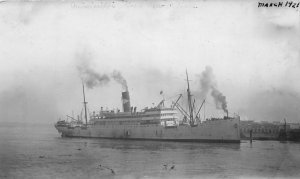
126 101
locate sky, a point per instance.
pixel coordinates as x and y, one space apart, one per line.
47 48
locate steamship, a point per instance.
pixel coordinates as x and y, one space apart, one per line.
155 123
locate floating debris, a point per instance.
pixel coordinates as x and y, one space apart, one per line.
112 171
172 168
166 166
104 167
41 156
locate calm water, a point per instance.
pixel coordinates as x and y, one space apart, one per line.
39 152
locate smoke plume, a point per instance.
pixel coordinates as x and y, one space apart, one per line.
117 76
208 82
220 99
91 78
94 79
87 74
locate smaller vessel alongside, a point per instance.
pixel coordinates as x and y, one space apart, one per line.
265 130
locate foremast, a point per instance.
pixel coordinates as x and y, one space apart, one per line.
84 103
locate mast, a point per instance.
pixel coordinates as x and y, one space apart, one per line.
190 101
84 102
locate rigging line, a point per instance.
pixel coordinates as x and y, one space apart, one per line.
204 110
200 107
179 107
169 98
180 110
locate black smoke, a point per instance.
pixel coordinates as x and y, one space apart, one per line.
88 75
208 83
93 78
117 76
219 99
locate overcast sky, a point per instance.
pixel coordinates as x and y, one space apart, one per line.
253 53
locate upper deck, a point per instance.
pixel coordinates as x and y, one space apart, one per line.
147 116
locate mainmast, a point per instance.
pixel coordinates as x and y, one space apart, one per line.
190 101
84 102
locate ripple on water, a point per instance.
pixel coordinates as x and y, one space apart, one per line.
21 157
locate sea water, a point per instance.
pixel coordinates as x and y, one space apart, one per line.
38 151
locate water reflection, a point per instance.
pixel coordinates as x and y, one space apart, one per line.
156 145
80 157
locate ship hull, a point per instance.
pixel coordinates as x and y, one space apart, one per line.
165 140
209 131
